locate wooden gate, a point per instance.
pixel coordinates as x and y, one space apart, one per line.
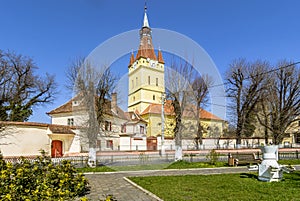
56 149
151 143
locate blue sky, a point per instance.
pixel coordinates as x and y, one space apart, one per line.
55 32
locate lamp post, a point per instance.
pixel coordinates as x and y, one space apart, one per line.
162 125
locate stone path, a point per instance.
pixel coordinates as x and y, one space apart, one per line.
114 183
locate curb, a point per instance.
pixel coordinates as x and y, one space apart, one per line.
142 189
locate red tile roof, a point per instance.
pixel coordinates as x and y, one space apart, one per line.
54 128
160 57
58 129
169 110
65 108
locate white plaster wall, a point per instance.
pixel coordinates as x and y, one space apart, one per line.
25 141
75 145
139 144
125 143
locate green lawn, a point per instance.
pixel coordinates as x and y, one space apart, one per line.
237 187
175 165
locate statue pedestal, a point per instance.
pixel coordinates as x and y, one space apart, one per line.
269 170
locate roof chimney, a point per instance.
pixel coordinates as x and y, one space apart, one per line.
114 102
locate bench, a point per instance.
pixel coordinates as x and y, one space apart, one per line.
235 159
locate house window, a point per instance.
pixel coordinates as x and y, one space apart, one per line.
98 144
142 129
107 126
71 122
153 97
109 144
156 82
297 138
149 80
299 123
123 128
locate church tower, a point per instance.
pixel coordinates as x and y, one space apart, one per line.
145 72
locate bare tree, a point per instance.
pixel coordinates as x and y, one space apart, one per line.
200 87
246 82
72 73
179 91
20 88
93 89
282 100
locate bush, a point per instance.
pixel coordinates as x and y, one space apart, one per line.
213 157
40 180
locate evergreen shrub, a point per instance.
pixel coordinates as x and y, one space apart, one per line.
40 180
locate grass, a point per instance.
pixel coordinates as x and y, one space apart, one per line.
289 162
141 167
233 187
175 165
188 165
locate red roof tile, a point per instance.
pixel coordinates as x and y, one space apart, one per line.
169 110
61 129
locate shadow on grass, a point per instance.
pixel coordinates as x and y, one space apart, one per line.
248 176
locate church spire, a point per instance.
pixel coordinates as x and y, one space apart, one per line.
146 22
146 49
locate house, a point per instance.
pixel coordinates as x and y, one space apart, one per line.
28 139
117 126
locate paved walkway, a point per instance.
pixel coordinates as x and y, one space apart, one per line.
114 183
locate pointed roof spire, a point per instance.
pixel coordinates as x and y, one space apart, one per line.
160 57
131 59
146 23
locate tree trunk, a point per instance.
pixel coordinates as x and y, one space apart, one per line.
177 130
92 157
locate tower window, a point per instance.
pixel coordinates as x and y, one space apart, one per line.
153 97
136 81
132 84
70 122
156 81
148 80
133 98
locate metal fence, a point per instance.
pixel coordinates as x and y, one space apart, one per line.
146 158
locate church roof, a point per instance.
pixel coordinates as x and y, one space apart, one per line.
189 112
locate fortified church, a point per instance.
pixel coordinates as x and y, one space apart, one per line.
139 128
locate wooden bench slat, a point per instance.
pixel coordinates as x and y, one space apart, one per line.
242 158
